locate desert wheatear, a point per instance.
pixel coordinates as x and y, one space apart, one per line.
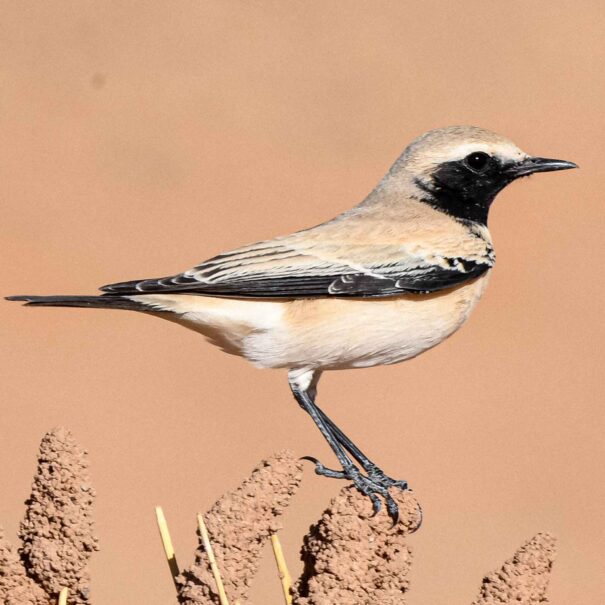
378 284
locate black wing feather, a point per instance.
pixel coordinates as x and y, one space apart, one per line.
423 279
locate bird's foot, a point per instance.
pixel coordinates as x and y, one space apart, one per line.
374 485
381 478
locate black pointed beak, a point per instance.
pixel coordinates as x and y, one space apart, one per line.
532 165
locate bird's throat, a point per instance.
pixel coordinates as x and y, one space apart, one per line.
461 204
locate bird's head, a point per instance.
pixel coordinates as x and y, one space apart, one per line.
461 169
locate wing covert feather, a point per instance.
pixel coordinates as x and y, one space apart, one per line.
299 266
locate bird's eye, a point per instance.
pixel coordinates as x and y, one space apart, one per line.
477 161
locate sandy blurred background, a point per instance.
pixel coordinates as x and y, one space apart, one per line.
138 138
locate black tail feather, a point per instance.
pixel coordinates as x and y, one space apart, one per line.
90 302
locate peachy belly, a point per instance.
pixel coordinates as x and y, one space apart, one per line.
354 333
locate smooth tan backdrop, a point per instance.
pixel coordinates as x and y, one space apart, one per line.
137 138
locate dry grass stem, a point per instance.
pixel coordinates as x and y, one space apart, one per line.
239 524
63 596
213 566
282 568
167 544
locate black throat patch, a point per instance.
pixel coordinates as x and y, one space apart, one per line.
462 193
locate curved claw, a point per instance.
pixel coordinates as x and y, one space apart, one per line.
420 520
320 469
392 509
376 503
373 485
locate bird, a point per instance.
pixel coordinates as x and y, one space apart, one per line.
378 284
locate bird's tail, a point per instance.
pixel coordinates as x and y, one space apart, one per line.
91 302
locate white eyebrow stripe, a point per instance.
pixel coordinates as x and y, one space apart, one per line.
460 151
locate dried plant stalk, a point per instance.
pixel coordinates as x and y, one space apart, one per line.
282 568
167 544
239 524
63 596
213 566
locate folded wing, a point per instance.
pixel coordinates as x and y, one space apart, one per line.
298 267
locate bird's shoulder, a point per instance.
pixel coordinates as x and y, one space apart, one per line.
394 233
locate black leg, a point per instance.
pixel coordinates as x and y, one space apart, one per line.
307 404
373 471
349 470
374 485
